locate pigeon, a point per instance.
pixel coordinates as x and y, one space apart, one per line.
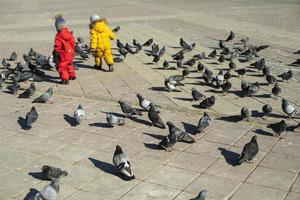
266 71
249 151
13 56
128 110
51 173
271 79
197 95
144 103
226 87
190 62
286 75
79 114
252 89
14 87
115 30
49 192
122 163
204 122
183 43
241 72
288 108
25 76
244 85
208 102
179 55
154 117
222 44
226 51
31 117
129 49
185 72
276 90
199 56
170 84
259 65
156 59
5 64
148 42
44 97
221 59
227 75
179 64
113 120
279 128
168 142
118 59
212 54
201 196
166 64
162 51
200 67
136 43
120 44
246 113
267 109
28 92
181 135
123 52
230 36
232 65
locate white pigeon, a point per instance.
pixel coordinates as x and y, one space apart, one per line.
144 103
79 114
49 192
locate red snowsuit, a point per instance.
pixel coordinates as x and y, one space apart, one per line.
64 47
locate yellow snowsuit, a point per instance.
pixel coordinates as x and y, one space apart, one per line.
100 36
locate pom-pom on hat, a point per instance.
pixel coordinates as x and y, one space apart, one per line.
94 18
59 22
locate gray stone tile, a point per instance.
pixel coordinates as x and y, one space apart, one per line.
250 191
296 185
293 196
172 177
149 191
271 178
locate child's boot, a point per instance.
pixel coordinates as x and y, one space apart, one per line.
99 67
111 68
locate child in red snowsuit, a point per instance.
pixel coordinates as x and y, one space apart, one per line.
63 51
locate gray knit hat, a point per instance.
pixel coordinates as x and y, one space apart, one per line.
59 22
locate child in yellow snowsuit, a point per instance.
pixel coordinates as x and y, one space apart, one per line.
100 36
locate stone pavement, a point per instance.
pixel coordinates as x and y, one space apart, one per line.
85 151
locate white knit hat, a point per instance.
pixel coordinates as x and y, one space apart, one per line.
93 18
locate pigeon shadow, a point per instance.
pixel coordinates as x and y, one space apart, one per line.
37 175
159 137
263 84
115 114
70 120
22 122
256 75
184 99
159 89
107 168
257 114
148 63
232 118
214 91
189 128
230 157
238 93
100 125
152 146
32 192
262 132
263 96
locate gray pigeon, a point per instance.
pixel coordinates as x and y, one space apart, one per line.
44 97
170 85
79 114
246 113
31 117
197 95
252 89
249 151
279 128
201 196
113 120
5 64
128 109
267 109
208 102
14 87
121 162
13 56
49 192
28 92
181 135
51 173
168 142
289 109
154 117
276 90
204 122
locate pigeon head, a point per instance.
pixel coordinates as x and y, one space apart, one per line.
212 98
50 90
118 150
32 85
33 109
202 194
79 107
254 138
139 96
121 102
282 122
205 114
170 124
284 101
